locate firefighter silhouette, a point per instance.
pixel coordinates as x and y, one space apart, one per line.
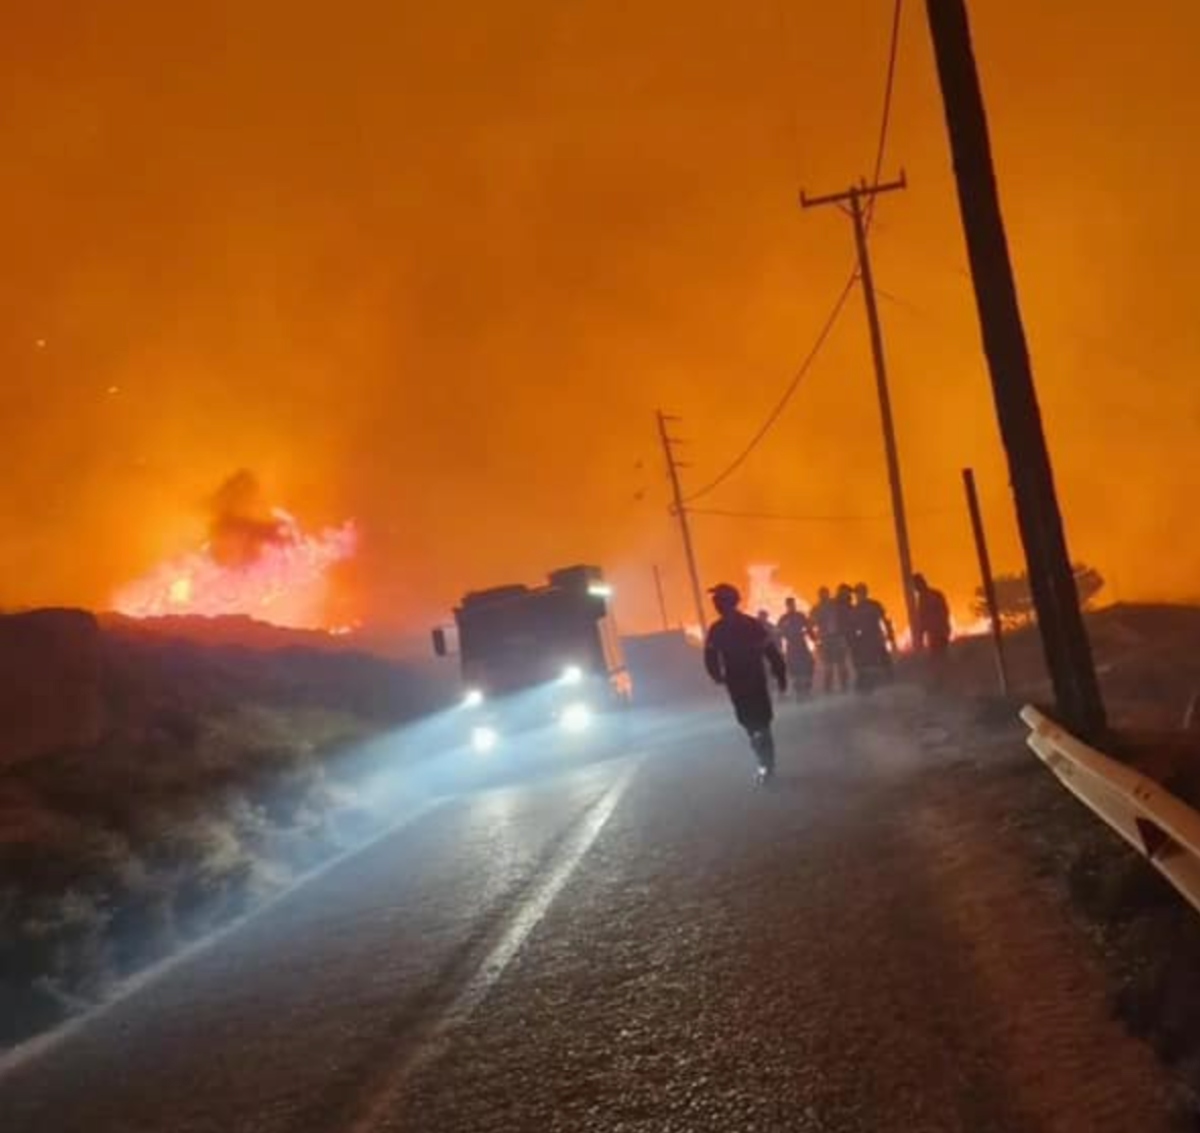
796 631
831 620
737 651
872 641
932 631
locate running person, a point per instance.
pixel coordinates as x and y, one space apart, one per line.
737 651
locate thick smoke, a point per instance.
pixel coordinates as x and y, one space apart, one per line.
241 525
257 561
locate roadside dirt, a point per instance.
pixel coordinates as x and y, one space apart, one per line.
1145 935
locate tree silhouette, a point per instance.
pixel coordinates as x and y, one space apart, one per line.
1014 598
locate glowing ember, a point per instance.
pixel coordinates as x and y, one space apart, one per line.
284 583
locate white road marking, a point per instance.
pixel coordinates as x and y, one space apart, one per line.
40 1045
521 924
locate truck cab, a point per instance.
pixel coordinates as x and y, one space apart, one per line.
535 658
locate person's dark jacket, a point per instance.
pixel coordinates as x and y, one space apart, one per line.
737 651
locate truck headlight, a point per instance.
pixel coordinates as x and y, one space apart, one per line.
484 739
572 675
576 717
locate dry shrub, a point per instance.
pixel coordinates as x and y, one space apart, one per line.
111 857
71 933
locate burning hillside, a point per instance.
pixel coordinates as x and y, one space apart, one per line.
257 560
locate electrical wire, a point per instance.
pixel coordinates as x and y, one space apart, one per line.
889 90
776 517
782 403
779 517
844 294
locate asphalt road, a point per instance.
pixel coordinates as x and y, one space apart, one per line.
646 943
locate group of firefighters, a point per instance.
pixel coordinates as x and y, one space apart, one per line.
844 630
848 630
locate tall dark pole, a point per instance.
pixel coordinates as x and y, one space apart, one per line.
985 571
679 511
662 600
1064 636
854 196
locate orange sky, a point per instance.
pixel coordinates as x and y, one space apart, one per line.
434 267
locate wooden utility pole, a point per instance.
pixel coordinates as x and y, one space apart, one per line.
851 202
662 600
985 571
1060 620
679 511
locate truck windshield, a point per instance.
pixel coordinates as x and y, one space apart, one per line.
528 640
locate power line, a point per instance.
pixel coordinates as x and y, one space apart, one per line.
780 517
776 517
844 294
782 403
889 90
1084 341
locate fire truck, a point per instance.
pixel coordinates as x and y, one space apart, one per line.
537 658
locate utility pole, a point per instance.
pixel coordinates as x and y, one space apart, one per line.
1060 620
662 600
679 511
985 572
851 202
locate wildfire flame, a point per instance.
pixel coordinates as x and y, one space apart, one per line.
766 592
975 628
284 583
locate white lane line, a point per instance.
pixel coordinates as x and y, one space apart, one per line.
523 921
40 1045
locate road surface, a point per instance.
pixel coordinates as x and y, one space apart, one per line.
645 943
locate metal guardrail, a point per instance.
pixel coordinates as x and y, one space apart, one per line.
1160 826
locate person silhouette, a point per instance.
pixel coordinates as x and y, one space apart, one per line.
872 641
737 651
796 631
932 631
